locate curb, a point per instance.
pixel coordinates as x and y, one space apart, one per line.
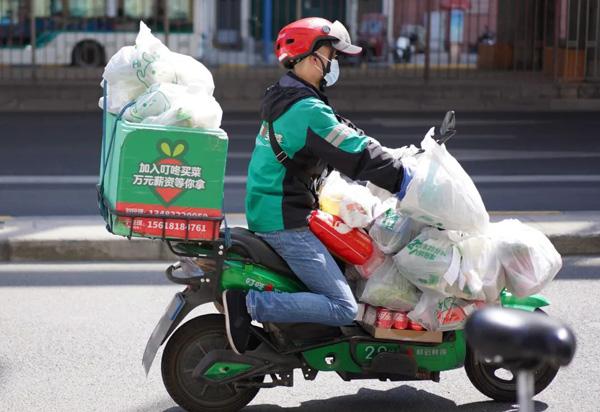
121 249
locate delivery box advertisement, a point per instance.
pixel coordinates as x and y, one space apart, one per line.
174 173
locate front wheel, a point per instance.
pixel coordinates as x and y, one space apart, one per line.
186 348
500 384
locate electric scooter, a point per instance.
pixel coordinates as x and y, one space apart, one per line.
202 373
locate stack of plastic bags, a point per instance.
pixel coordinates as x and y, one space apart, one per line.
168 88
435 254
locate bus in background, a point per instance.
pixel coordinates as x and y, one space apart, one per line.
86 33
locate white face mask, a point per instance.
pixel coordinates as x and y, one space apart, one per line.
334 71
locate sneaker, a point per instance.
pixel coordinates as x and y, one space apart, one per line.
237 319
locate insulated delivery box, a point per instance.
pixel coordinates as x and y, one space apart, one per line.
162 181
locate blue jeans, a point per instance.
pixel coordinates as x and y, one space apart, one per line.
330 300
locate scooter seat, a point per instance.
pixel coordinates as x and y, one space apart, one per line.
247 244
521 339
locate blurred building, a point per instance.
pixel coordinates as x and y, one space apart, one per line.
556 38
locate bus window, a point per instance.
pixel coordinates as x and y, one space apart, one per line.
136 9
86 8
9 12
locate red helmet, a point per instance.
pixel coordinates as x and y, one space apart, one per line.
298 39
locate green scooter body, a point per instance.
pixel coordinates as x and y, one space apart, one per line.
450 354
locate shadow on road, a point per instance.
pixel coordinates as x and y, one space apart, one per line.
402 399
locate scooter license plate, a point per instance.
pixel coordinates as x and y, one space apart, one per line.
161 330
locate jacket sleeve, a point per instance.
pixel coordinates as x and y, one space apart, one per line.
356 155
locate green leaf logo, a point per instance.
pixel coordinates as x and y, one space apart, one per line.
178 150
165 148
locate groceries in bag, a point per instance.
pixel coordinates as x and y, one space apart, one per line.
529 259
352 245
386 287
352 202
173 89
436 312
391 231
175 105
432 262
441 193
481 260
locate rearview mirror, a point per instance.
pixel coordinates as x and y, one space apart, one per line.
449 123
447 129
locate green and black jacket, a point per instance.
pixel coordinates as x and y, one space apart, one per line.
315 138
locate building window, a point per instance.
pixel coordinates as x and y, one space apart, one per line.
228 24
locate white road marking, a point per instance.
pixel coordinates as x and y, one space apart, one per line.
83 267
535 178
390 122
241 179
474 155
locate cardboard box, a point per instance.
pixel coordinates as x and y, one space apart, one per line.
405 335
368 323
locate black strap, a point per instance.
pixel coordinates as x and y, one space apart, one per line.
288 163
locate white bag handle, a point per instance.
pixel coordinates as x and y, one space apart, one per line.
451 275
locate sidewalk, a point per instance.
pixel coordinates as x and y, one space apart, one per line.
85 238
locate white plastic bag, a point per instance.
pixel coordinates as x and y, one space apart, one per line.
441 193
191 72
176 105
432 262
123 85
357 206
527 255
481 260
392 231
352 202
442 313
386 287
332 193
151 73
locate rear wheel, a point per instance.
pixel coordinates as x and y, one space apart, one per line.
88 53
185 349
500 384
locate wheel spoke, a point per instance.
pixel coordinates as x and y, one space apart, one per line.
201 347
204 389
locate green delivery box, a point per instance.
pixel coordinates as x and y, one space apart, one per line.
162 181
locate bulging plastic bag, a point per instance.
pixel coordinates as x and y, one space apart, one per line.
481 260
386 287
352 202
352 245
357 206
392 231
441 193
123 85
529 259
332 193
191 72
432 262
175 105
150 73
442 313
